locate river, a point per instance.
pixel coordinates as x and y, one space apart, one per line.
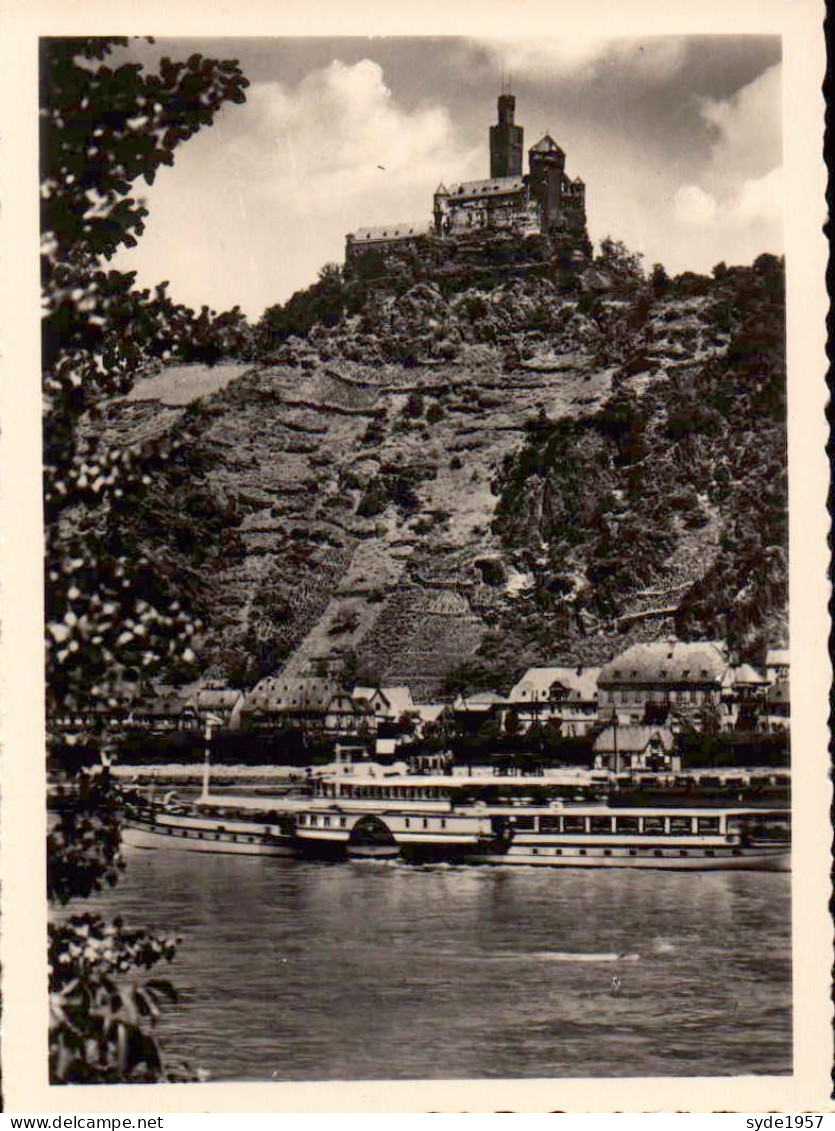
308 971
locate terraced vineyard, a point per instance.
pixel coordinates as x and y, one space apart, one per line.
553 495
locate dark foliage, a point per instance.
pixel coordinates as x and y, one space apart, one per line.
108 606
608 493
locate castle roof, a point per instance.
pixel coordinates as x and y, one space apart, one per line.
489 187
777 657
546 144
405 231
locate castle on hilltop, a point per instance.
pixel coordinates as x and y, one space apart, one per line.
544 201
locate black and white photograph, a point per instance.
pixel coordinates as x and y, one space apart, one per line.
418 635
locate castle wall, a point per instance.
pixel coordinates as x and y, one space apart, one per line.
497 213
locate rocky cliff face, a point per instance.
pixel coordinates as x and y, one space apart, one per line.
466 484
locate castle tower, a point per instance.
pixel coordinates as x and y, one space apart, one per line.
547 170
439 207
506 140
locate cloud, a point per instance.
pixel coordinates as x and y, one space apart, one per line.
761 199
327 138
747 140
757 200
692 205
739 197
649 61
276 183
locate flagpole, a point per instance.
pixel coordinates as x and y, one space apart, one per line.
207 747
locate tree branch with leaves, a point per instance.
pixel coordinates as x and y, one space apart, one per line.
104 127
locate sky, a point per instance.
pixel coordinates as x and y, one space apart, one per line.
677 138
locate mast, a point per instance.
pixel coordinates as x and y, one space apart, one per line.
212 721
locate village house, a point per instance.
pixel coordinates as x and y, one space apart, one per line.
432 720
777 664
472 712
219 701
629 748
282 702
778 706
778 696
162 711
743 698
387 705
565 696
652 683
94 716
349 717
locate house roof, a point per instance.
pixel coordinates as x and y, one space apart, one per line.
535 685
262 701
343 701
399 698
777 657
743 675
165 691
160 705
216 698
632 739
278 693
669 661
429 712
479 701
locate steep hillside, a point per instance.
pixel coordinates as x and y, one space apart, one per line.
447 483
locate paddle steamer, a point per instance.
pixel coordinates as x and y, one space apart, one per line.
358 808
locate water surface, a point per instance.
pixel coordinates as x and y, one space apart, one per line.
306 971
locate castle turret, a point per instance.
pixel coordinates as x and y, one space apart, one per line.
506 140
440 199
547 169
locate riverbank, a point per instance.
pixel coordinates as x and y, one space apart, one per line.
192 774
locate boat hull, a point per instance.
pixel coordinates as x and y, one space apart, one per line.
756 860
136 834
372 851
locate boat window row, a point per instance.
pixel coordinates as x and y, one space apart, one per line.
387 792
210 834
624 826
321 821
315 820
